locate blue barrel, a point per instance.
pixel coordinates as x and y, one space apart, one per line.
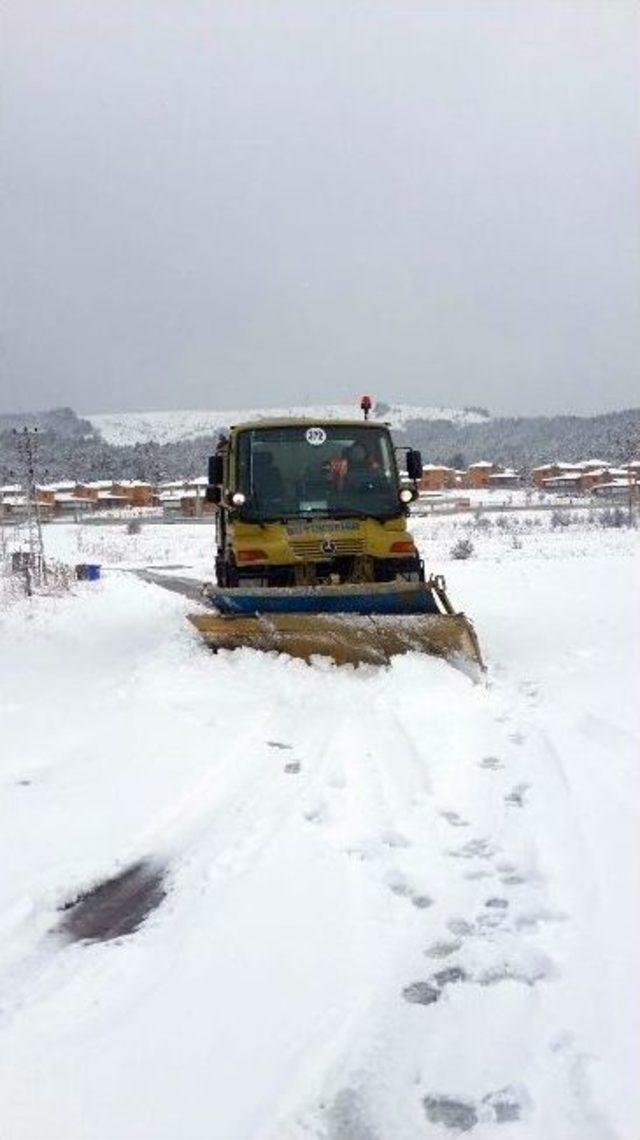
87 571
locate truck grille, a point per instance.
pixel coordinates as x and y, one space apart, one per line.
311 548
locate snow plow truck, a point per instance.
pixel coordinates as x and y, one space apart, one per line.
313 553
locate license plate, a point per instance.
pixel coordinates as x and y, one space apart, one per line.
322 526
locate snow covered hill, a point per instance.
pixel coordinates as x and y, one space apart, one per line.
121 428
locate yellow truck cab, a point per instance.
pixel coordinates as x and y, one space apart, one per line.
303 502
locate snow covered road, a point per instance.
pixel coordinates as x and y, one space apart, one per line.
398 904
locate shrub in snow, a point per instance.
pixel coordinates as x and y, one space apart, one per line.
462 549
134 526
614 517
482 523
560 518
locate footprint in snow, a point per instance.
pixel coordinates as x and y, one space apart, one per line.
510 876
517 737
279 744
293 767
493 763
461 1115
443 949
454 819
422 902
460 927
426 993
474 849
494 913
429 991
401 888
456 1115
421 993
515 798
505 972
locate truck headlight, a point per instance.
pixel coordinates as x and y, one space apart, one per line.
238 499
406 495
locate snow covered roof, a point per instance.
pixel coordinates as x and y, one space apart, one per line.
111 496
567 478
98 484
65 497
11 489
65 486
565 467
481 463
435 467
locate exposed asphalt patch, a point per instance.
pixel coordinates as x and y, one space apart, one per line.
116 906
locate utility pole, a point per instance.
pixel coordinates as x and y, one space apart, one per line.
33 558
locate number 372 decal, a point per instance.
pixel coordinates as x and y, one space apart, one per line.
315 436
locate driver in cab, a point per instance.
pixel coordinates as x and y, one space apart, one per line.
354 466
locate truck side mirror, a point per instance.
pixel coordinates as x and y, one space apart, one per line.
213 494
216 469
414 464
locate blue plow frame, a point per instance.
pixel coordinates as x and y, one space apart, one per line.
366 600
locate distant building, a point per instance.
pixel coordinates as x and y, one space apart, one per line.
478 474
437 478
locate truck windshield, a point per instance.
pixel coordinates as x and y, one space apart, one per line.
325 470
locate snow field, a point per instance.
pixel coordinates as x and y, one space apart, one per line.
399 904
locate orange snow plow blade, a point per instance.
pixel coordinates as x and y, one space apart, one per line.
345 638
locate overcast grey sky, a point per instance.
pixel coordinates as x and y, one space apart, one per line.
214 203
